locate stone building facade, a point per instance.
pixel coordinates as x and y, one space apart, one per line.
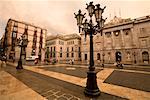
127 40
63 48
124 39
36 40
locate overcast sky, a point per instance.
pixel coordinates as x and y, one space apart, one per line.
57 16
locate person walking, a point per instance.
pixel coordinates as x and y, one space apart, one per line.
13 59
72 61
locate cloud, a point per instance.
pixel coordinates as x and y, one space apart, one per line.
57 16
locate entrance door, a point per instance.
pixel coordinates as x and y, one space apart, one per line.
118 56
145 57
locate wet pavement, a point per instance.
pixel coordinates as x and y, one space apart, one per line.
52 88
134 80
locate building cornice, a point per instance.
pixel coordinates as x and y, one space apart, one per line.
29 24
133 21
63 37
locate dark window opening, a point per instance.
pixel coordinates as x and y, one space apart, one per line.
85 57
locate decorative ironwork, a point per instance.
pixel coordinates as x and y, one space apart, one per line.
90 29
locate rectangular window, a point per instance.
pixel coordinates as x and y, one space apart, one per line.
67 49
72 54
54 49
79 54
60 49
72 48
79 49
51 54
51 49
67 54
54 54
60 54
85 57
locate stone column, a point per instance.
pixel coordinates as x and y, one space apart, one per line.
122 38
135 45
113 47
113 40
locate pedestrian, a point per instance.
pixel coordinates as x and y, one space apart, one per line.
3 61
72 61
36 61
13 59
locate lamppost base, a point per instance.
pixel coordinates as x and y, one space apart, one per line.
91 88
19 66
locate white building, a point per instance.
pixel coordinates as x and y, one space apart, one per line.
63 48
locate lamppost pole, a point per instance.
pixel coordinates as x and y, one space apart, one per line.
22 43
91 88
19 66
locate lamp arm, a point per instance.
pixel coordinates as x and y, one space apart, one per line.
103 9
75 15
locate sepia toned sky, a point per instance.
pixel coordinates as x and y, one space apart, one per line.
57 16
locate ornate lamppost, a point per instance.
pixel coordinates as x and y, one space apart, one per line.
23 42
88 28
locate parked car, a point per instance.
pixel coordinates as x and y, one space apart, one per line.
31 58
3 57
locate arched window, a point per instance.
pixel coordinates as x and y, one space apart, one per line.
85 56
98 56
145 56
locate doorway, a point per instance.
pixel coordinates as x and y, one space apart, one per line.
145 57
118 56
